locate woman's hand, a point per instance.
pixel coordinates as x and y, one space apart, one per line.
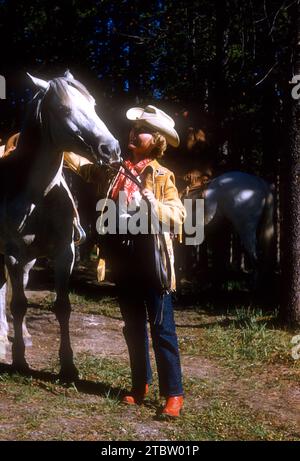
148 194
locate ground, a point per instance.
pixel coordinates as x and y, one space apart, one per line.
240 379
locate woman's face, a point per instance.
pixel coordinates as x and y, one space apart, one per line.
140 141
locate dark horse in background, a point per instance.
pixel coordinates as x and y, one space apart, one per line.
36 209
246 203
233 202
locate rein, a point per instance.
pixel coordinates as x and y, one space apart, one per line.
126 172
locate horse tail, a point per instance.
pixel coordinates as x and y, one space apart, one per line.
266 228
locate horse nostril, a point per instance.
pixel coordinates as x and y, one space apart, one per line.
104 149
111 151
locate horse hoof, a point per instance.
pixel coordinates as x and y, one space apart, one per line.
69 374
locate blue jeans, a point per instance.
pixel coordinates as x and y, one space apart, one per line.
135 303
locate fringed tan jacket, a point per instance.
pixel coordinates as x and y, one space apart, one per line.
156 178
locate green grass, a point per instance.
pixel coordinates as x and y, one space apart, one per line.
53 411
223 420
104 370
241 343
206 417
243 339
40 405
106 306
246 338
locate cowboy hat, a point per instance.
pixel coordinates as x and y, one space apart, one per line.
155 118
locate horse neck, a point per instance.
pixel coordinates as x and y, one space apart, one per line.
41 162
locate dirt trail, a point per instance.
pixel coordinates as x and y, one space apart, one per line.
102 337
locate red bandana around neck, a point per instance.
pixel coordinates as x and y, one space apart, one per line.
123 183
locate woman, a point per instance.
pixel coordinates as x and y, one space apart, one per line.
133 262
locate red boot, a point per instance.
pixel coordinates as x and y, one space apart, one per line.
173 406
136 397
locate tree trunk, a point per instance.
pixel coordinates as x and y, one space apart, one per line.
290 301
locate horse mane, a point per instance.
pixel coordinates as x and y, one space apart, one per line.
81 88
60 87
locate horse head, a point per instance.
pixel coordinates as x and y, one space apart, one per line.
67 109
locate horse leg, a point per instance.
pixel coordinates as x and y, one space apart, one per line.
3 321
266 242
62 308
18 309
249 243
26 334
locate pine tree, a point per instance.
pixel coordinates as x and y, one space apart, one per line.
290 302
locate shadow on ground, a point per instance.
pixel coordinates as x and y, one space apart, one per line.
82 385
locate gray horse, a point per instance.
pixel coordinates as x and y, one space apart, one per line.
246 202
36 210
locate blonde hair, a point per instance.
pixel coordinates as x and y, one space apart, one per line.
160 145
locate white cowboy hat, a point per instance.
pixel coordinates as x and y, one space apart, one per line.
155 118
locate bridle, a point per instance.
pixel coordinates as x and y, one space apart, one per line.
117 167
78 138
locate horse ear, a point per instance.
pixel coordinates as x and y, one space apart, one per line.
39 83
68 75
